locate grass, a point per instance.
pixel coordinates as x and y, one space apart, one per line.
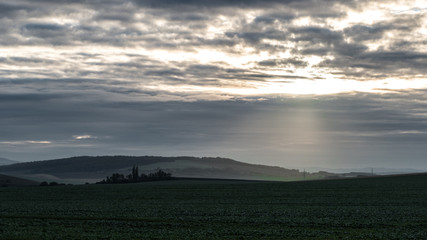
370 208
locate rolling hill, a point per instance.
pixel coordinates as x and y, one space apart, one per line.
87 168
6 181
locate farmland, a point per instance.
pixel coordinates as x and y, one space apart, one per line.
368 208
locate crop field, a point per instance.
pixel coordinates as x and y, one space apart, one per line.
369 208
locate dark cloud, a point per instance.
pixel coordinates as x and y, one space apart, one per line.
121 17
317 35
256 37
271 18
207 3
43 27
290 62
20 97
238 3
376 31
364 32
189 17
11 10
378 64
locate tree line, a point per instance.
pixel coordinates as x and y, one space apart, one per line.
135 177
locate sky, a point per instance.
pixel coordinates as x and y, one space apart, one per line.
297 84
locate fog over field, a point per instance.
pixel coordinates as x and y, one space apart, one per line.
297 84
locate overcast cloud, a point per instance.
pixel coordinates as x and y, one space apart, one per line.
290 83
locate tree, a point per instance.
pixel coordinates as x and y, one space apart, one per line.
135 177
44 184
135 174
159 175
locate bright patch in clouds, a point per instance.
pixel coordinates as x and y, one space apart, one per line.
82 137
307 87
335 86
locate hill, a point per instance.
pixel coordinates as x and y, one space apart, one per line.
6 181
95 168
5 161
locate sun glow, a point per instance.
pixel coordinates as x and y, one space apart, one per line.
334 86
82 137
305 87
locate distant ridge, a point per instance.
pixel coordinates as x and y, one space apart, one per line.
5 161
96 168
366 170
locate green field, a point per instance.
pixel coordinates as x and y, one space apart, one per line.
371 208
